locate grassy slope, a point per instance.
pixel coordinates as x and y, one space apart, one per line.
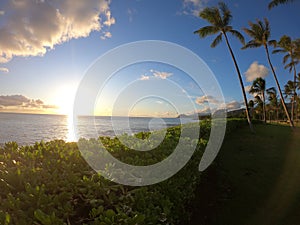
255 180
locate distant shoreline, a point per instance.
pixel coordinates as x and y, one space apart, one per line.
97 116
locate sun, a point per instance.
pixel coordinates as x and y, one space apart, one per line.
64 99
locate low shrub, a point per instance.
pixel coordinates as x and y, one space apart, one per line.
51 183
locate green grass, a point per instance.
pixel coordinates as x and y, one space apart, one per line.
255 179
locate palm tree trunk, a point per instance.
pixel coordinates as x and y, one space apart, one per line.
241 83
279 89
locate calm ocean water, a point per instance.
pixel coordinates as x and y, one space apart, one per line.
31 128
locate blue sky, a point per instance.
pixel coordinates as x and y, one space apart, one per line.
51 69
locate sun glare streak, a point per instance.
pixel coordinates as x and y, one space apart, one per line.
64 99
70 125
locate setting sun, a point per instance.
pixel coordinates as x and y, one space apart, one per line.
64 99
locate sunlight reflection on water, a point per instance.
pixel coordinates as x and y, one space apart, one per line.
30 128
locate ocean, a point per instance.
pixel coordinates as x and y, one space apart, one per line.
30 128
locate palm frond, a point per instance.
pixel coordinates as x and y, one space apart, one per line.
278 51
286 58
238 35
290 66
205 31
274 3
217 40
250 32
252 44
210 14
226 13
272 43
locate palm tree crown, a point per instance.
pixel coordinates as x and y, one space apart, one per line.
260 33
289 89
291 49
259 87
219 18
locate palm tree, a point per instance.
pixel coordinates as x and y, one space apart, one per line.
259 87
277 2
260 34
273 100
220 18
291 49
289 90
259 105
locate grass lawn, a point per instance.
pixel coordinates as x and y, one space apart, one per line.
255 179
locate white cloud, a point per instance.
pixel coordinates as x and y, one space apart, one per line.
161 75
255 70
206 99
109 19
33 27
156 74
106 35
2 12
144 77
4 70
193 7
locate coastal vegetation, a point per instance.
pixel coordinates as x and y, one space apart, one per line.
51 183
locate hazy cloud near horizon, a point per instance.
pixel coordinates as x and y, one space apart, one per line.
32 27
206 99
21 102
233 105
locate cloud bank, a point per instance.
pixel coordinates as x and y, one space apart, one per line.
32 27
255 70
20 102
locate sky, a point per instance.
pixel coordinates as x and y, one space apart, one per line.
48 46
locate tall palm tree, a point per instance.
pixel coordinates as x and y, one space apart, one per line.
273 100
277 2
220 18
260 34
259 87
291 49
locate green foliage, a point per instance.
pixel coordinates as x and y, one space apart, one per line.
51 183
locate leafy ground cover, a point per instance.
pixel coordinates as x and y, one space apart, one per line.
50 183
255 179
